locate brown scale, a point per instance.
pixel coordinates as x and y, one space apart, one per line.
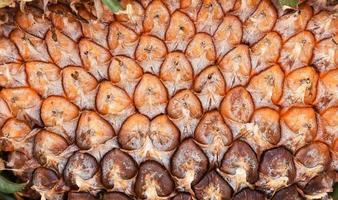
191 7
63 50
201 52
7 19
300 87
114 104
297 51
244 8
79 86
209 86
328 5
209 17
235 67
60 116
47 183
319 186
334 154
31 48
323 25
182 196
188 165
44 78
228 35
122 40
94 134
114 195
249 194
212 186
21 165
150 96
327 90
263 132
311 160
237 108
24 103
213 136
118 169
52 150
150 54
276 170
95 58
265 52
156 19
298 127
17 135
259 23
176 72
80 196
64 20
294 22
125 73
325 54
92 28
290 192
185 110
5 112
135 20
8 51
12 75
33 21
239 166
266 88
180 31
80 173
328 123
153 181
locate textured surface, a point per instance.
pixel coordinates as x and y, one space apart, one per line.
180 99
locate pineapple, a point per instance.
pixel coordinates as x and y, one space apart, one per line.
170 99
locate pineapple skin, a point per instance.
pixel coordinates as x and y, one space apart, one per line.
172 99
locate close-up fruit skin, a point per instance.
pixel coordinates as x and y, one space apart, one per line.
168 99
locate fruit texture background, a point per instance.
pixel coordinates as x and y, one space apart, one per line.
176 99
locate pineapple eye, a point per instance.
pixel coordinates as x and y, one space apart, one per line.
14 99
119 35
75 75
109 97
